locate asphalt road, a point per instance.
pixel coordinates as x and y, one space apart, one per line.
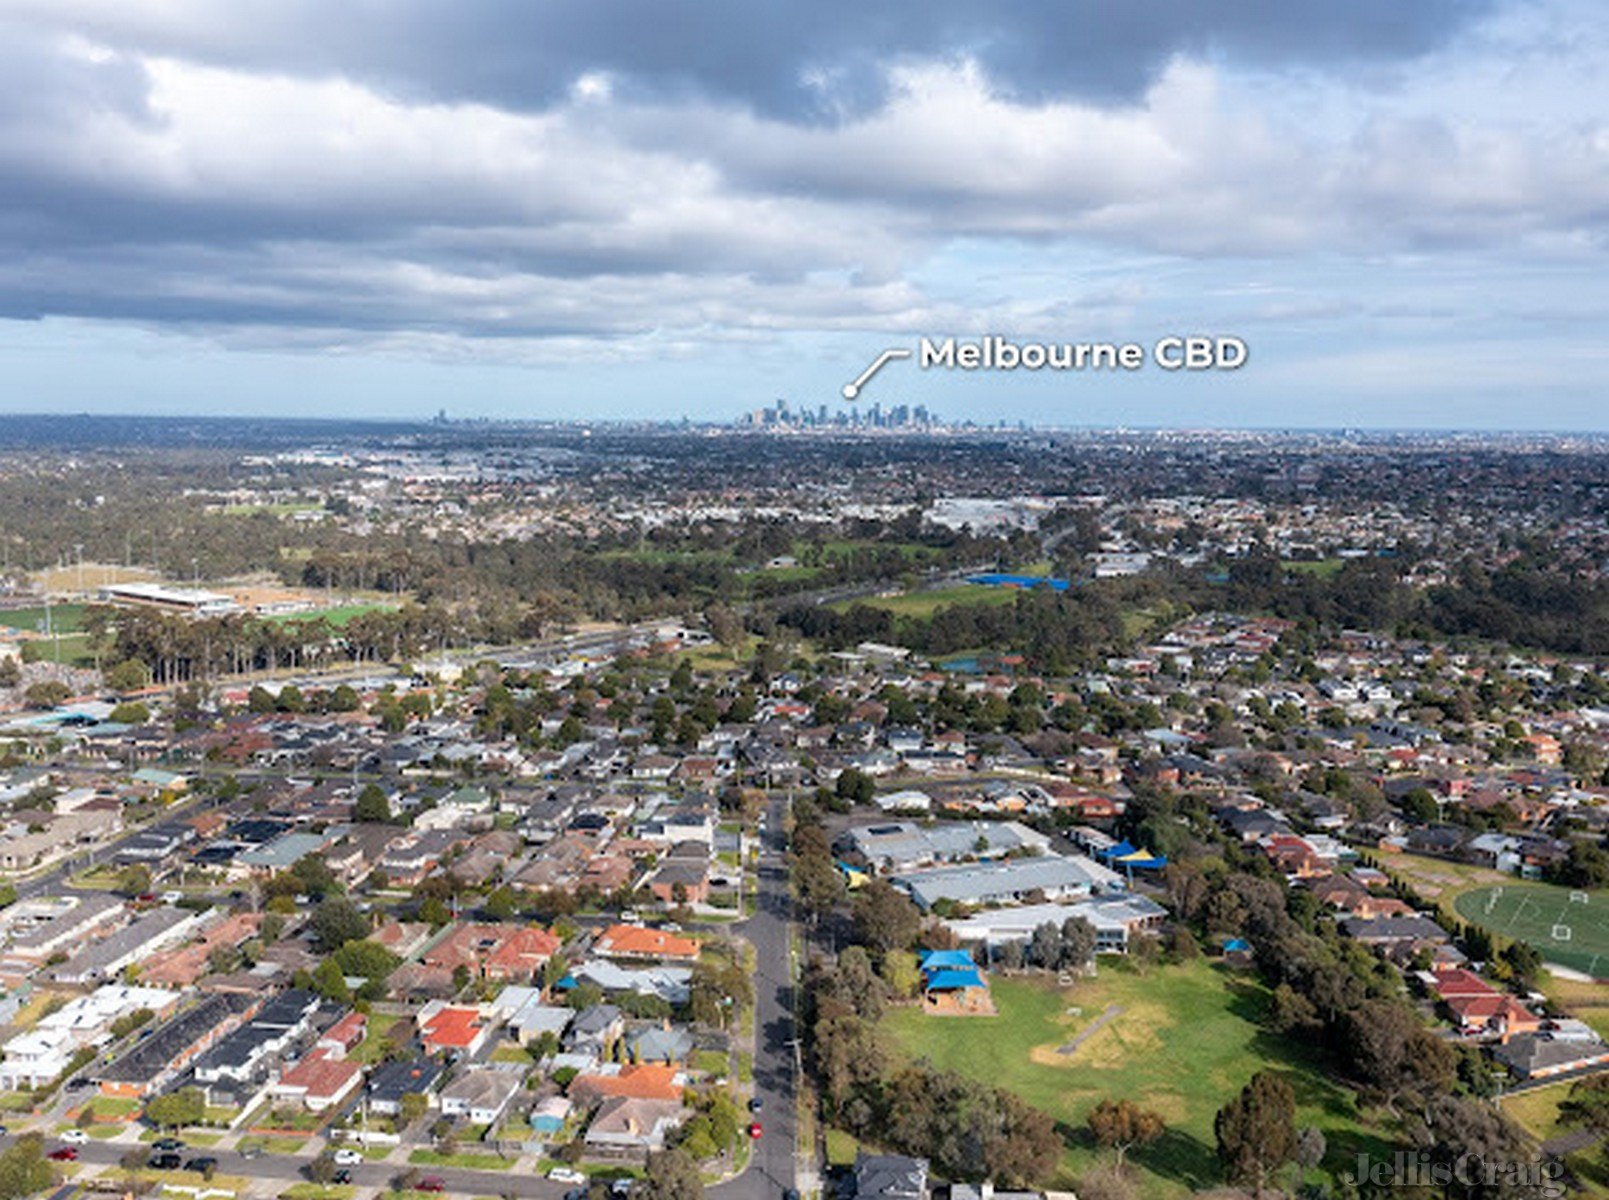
772 1164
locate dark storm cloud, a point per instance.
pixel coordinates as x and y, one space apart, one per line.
782 58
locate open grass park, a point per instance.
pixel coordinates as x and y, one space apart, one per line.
1179 1040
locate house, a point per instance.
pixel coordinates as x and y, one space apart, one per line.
630 1129
889 1177
321 1080
482 1094
391 1081
451 1028
681 881
660 1044
150 933
635 941
345 1035
594 1030
1538 1056
671 984
246 1056
641 1081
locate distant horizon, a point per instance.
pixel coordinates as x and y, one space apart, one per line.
942 427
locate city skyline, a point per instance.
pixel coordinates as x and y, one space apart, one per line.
305 210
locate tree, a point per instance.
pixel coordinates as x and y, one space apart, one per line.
669 1175
322 1169
47 693
130 712
1122 1124
884 918
337 921
184 1107
1256 1131
372 807
134 880
412 1106
24 1169
330 982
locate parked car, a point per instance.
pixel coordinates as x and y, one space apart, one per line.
77 1084
756 1104
348 1157
75 1137
63 1154
341 1176
432 1183
566 1175
166 1162
754 1129
167 1143
251 1150
620 1187
202 1164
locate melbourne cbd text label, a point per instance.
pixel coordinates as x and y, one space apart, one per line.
996 353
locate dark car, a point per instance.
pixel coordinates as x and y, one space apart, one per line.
344 1175
63 1154
202 1164
790 1194
432 1183
756 1104
78 1084
166 1162
167 1143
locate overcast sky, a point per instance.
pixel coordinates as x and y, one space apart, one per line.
639 208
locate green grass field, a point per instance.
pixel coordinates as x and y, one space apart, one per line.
1187 1038
64 618
337 616
1571 932
924 604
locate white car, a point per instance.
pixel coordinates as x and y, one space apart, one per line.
348 1157
74 1137
566 1175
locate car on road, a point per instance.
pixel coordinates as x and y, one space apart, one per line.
202 1164
576 1194
620 1187
756 1104
166 1162
167 1144
432 1183
566 1175
63 1154
77 1084
790 1194
754 1129
251 1151
74 1137
342 1176
348 1157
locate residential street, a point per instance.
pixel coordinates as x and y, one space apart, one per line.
772 1169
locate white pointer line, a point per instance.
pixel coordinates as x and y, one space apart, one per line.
852 389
